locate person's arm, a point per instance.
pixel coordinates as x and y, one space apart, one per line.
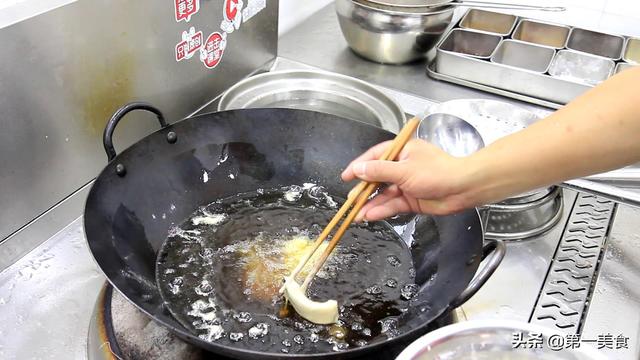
597 132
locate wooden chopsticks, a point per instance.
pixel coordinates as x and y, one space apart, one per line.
360 194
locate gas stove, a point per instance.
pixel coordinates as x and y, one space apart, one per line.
578 276
118 329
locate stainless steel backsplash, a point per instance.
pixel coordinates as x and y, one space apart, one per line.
64 72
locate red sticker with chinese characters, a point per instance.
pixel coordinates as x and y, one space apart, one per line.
232 15
186 8
213 49
231 9
191 41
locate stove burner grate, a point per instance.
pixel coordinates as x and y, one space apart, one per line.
118 330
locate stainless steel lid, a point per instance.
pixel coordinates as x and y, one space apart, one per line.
320 91
387 7
412 3
529 196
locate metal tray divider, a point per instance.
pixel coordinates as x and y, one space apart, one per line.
560 91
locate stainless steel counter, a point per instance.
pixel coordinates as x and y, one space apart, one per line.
46 299
319 42
615 304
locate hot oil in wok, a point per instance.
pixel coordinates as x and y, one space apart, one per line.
219 272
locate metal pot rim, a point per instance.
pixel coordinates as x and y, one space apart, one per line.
402 10
446 333
531 201
412 4
255 81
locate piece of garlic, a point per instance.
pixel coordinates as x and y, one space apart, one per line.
314 311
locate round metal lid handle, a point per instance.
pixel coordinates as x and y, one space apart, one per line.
493 252
107 140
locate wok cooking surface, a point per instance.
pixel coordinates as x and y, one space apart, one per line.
220 270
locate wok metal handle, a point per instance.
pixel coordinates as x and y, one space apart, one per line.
119 114
493 252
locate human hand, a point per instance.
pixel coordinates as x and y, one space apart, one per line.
425 179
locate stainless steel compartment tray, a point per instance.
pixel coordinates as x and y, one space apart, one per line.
523 55
507 78
596 43
542 33
488 21
470 84
632 51
502 77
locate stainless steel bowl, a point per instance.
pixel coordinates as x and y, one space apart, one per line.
391 35
320 91
493 339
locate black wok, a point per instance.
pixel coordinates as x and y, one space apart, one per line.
157 183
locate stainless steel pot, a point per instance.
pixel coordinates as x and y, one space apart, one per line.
386 35
314 90
524 216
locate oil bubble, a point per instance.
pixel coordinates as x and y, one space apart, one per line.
389 327
393 261
409 291
235 337
293 194
361 343
174 285
340 346
204 288
258 330
299 339
243 317
314 337
392 283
